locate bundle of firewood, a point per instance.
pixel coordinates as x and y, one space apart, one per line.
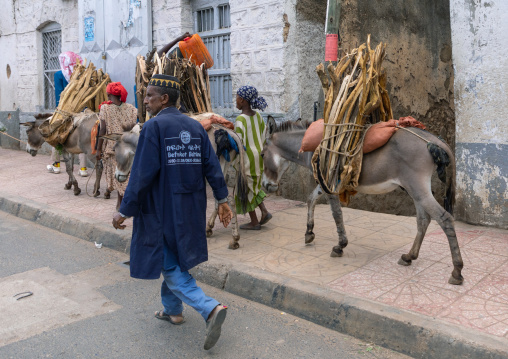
86 88
194 82
355 94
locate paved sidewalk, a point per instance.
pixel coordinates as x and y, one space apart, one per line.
368 270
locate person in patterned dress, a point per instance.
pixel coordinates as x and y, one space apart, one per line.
116 116
252 129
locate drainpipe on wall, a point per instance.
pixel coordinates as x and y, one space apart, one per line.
332 29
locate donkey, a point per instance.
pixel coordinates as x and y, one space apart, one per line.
403 162
125 149
79 141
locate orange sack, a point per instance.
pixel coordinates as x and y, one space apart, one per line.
313 136
379 134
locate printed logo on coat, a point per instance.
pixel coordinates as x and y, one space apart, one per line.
185 137
183 150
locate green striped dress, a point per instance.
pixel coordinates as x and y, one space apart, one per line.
252 131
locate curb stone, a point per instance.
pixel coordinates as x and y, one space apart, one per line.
396 329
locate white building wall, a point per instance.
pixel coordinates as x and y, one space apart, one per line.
479 38
21 42
257 49
170 19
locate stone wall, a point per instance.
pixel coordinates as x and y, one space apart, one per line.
479 37
170 18
21 42
419 67
257 49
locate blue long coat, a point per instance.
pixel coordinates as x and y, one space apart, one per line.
166 193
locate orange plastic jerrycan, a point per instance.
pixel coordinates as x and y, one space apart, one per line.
194 49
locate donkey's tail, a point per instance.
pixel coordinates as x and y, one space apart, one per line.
443 157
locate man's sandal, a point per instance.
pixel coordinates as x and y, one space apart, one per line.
214 325
163 316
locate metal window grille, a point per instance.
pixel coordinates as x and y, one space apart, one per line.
51 48
205 19
221 91
224 18
214 29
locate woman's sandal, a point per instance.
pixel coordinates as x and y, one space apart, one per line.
265 219
163 316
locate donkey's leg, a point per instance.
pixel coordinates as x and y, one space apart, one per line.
339 222
77 190
445 220
211 221
422 222
311 205
67 159
233 244
98 176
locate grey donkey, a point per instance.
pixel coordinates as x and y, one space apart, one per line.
79 141
405 161
125 149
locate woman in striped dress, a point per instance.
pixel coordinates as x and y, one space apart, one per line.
251 128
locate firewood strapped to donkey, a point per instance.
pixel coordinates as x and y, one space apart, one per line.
405 158
78 141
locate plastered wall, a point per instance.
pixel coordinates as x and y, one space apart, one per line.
479 37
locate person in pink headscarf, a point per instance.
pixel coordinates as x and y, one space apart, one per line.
67 61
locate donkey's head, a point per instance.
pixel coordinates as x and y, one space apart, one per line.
125 149
35 139
281 148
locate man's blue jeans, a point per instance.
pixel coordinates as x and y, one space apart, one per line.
179 287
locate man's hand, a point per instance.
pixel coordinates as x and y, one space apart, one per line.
118 220
184 36
225 214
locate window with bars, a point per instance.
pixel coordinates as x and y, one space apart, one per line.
213 25
51 48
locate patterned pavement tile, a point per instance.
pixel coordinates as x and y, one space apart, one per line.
489 244
463 237
384 241
484 315
418 297
354 255
281 260
364 283
430 250
493 288
436 277
320 270
479 261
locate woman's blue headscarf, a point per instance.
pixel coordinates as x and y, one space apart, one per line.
250 94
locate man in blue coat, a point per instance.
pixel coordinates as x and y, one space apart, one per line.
166 196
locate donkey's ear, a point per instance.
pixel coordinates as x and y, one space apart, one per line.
28 124
271 125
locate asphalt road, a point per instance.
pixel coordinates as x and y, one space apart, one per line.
85 305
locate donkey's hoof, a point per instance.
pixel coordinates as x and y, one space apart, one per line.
209 232
77 191
96 194
337 252
403 262
67 186
309 237
234 245
456 281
